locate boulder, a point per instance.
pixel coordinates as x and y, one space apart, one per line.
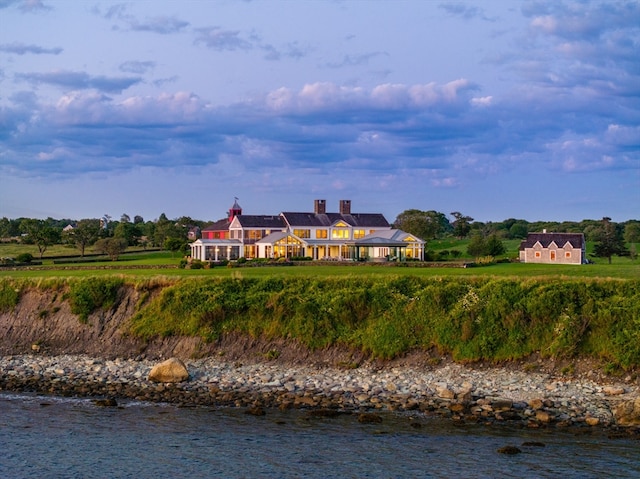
170 371
627 413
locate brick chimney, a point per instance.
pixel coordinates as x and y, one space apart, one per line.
345 207
320 207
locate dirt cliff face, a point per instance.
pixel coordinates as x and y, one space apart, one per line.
43 323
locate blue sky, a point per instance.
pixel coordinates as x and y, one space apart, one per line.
497 109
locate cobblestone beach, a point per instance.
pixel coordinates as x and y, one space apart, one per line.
454 391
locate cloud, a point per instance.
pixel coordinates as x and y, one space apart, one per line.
464 11
22 49
162 25
356 60
26 6
139 67
219 39
80 81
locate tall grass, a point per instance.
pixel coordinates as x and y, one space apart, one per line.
470 318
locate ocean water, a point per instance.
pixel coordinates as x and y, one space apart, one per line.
46 437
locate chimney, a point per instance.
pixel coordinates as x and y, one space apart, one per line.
345 207
320 207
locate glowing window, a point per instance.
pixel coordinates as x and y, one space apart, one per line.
340 234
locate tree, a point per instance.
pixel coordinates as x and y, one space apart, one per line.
477 246
40 234
610 240
461 224
632 232
85 234
481 246
494 247
519 230
423 224
129 231
113 247
174 244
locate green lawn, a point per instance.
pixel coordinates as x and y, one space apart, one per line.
622 268
621 271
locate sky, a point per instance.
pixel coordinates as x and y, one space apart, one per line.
495 109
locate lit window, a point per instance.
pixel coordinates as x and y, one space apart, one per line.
302 233
322 234
340 234
537 254
567 254
357 234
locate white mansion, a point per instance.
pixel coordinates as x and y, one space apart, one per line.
319 235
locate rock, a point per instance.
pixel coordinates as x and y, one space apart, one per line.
444 391
509 450
170 371
109 402
591 421
543 416
536 404
627 413
501 405
255 411
613 390
369 418
533 444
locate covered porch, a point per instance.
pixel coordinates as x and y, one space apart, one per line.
216 249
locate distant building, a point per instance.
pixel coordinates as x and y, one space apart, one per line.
320 235
553 248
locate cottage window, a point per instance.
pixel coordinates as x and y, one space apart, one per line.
322 234
567 254
537 254
357 234
552 255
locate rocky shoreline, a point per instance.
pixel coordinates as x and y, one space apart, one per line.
463 394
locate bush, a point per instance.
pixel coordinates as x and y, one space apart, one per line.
88 295
472 319
24 258
9 296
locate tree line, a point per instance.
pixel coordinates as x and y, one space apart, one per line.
486 237
112 237
105 235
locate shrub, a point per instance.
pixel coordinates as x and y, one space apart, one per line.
9 296
88 295
24 258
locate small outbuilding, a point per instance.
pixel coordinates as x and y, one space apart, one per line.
553 248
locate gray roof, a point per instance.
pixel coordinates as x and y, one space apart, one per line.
387 238
560 239
220 225
261 221
364 220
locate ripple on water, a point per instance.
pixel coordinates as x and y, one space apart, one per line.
64 437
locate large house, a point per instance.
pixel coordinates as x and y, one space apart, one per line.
320 235
553 248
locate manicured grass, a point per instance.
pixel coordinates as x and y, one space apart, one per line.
516 270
